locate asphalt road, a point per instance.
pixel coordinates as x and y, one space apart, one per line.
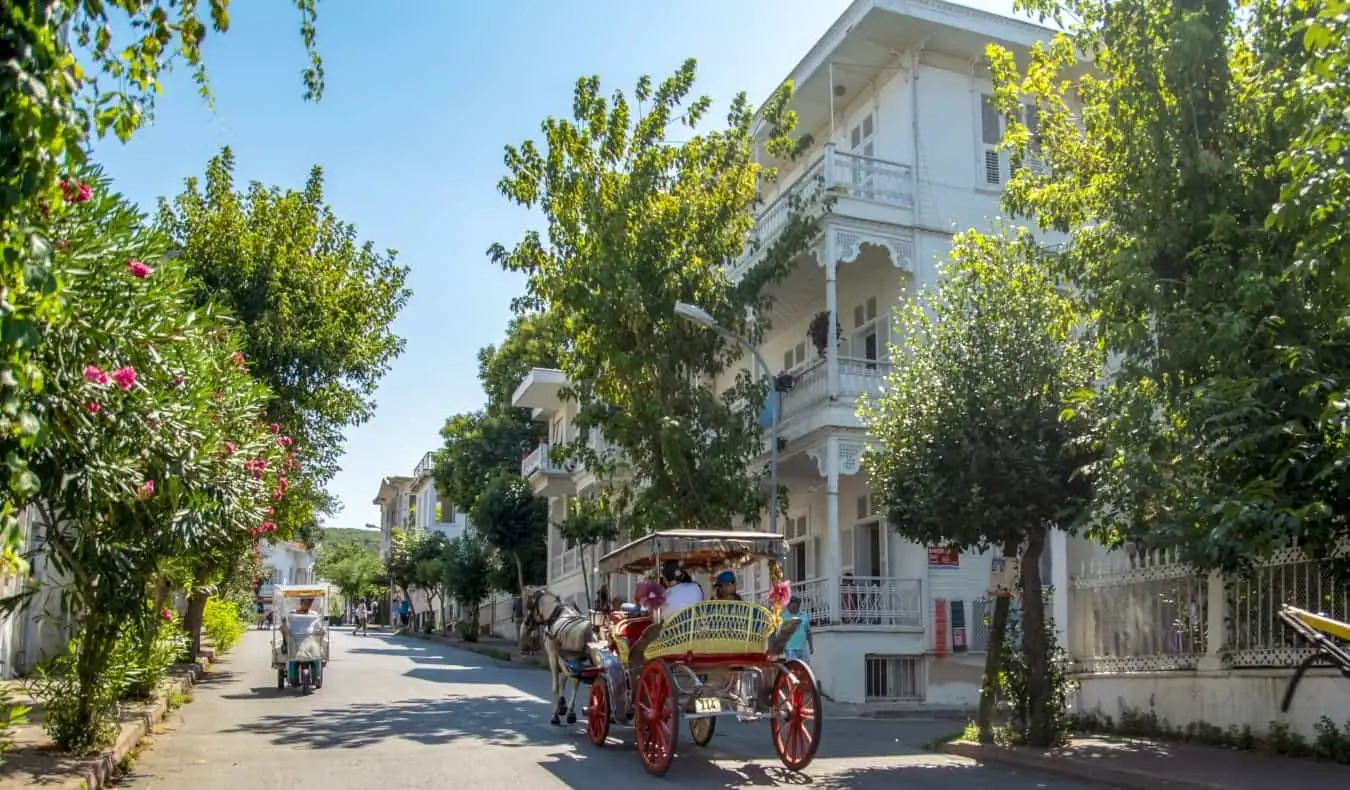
400 713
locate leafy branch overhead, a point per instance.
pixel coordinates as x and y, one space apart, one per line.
1201 193
637 222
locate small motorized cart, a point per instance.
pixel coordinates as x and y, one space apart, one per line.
711 660
1329 638
300 636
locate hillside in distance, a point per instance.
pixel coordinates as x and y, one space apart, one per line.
369 538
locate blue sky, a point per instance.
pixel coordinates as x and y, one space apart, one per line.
421 96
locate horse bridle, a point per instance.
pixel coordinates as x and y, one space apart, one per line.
532 621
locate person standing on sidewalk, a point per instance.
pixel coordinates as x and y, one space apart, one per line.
800 645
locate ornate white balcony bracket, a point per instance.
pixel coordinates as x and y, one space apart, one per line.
849 243
850 457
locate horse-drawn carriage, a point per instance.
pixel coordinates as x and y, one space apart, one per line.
709 660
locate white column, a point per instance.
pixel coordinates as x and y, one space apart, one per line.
1216 630
1059 577
832 307
832 563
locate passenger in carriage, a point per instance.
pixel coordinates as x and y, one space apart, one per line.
681 591
724 588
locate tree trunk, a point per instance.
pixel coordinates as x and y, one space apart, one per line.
1035 645
585 575
993 667
520 586
192 624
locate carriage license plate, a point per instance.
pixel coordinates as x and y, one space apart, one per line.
708 705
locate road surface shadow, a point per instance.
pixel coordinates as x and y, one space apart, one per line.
495 720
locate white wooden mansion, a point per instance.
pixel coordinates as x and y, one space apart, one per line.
897 94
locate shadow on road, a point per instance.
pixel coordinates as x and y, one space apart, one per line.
495 720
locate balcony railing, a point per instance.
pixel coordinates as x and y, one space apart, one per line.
811 385
540 462
835 174
880 601
425 466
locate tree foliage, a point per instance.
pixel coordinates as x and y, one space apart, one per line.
981 443
316 305
468 569
589 522
65 78
514 521
1199 173
353 567
153 450
635 224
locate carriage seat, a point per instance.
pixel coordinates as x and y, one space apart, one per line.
629 625
726 628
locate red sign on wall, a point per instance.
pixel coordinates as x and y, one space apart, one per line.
939 557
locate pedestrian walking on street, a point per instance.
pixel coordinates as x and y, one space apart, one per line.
362 618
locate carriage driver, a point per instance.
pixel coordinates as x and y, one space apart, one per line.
724 588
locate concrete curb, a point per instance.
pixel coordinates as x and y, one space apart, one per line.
103 767
477 648
1072 768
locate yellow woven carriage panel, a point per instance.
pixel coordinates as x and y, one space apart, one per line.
714 628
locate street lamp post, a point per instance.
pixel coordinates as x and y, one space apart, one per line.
704 319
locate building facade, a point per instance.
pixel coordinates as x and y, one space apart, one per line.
898 96
430 513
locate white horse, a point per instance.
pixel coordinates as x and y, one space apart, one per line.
567 635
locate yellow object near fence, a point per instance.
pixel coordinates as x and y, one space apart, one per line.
1322 623
714 628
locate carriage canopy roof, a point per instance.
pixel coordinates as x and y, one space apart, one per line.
695 549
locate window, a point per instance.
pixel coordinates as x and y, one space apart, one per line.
862 142
557 431
802 550
865 340
794 357
894 678
995 165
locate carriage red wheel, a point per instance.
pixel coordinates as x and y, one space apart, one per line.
656 718
597 713
795 720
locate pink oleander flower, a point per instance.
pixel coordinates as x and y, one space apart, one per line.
650 595
76 192
166 614
178 381
125 377
229 448
276 428
282 485
268 526
780 593
138 270
93 407
146 490
277 495
271 511
284 441
237 358
95 375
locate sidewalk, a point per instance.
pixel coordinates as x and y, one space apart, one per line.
1146 765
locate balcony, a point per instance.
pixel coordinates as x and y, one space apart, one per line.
865 602
808 407
548 478
862 187
425 466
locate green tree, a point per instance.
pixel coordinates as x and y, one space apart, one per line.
1203 197
514 521
57 60
315 303
635 224
152 447
980 443
478 447
589 522
429 568
352 567
532 341
468 569
399 565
